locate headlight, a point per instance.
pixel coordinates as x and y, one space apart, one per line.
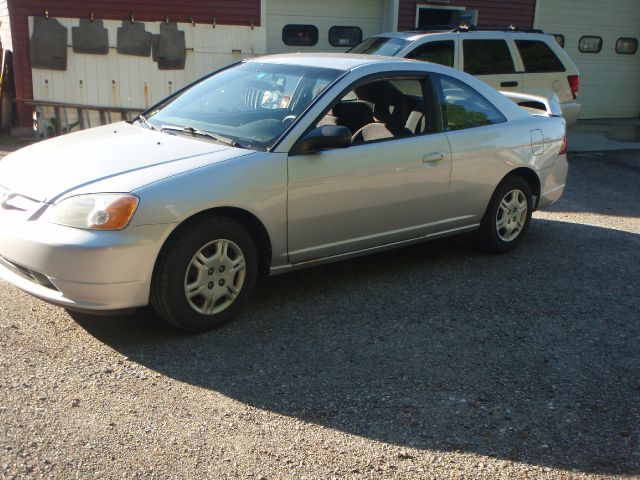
102 211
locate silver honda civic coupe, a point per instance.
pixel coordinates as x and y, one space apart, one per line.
273 164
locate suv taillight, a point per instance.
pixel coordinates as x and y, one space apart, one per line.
574 85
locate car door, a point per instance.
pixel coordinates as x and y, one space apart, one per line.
481 142
369 194
491 59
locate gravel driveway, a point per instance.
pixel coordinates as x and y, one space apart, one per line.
433 361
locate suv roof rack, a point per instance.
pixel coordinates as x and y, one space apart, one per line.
495 28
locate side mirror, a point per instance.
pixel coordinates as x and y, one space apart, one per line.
323 138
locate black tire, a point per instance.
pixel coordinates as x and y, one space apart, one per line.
497 240
168 287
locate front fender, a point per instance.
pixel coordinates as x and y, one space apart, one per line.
255 183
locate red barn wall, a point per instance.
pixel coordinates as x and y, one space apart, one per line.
226 12
490 12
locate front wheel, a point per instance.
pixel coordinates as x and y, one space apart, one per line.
206 275
508 215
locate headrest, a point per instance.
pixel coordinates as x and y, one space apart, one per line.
352 110
391 112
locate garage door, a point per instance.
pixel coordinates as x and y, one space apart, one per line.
364 14
608 80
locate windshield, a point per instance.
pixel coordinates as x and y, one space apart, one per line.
251 104
380 46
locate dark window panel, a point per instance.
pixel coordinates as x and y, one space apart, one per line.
538 57
300 35
345 36
590 44
627 46
435 52
559 38
487 57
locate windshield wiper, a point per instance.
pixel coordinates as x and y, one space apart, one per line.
201 133
144 121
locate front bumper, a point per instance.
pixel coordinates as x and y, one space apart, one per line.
80 269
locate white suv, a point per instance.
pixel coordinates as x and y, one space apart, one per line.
531 63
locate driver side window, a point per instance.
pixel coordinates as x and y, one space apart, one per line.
383 109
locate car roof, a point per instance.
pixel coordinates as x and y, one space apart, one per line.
417 34
412 35
336 61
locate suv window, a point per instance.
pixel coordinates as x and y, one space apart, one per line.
435 52
380 46
462 107
487 57
538 57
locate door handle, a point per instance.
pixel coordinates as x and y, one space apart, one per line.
433 157
509 84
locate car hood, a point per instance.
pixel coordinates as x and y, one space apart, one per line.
51 169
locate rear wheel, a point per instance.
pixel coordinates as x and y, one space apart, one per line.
206 275
508 215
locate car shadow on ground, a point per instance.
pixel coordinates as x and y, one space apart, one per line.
531 356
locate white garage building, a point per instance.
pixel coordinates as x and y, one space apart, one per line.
608 58
370 16
601 36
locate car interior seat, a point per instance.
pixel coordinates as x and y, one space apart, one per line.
353 114
328 119
392 117
417 120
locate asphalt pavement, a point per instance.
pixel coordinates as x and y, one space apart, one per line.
431 361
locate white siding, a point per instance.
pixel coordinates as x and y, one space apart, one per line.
366 14
609 82
5 27
129 81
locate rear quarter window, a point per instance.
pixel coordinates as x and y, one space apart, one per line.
462 107
487 57
538 57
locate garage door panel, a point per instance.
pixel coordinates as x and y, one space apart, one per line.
366 14
608 81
